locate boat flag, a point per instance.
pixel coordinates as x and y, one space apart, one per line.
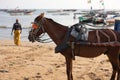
102 2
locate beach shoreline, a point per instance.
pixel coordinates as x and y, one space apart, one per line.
38 61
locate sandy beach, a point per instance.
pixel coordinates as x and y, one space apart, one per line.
37 61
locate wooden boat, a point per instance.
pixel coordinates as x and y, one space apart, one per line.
19 12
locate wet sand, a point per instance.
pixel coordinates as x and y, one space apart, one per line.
36 61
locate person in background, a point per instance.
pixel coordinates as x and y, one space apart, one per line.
17 31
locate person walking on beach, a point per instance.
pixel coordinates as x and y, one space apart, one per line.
17 31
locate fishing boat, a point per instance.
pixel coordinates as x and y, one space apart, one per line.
20 11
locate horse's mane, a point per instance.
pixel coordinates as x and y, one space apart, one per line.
58 24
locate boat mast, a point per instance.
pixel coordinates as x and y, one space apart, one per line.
89 2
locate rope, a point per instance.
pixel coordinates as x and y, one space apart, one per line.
113 34
44 40
98 37
73 52
105 35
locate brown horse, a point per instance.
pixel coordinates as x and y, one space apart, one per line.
57 33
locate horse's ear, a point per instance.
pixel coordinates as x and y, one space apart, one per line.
41 15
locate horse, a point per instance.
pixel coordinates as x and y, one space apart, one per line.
57 33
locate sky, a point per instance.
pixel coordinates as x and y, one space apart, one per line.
59 4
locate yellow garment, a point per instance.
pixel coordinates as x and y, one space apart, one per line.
17 37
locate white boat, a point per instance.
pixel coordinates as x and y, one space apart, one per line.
20 11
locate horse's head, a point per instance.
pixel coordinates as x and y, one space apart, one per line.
37 28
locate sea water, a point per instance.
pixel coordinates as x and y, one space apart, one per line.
7 21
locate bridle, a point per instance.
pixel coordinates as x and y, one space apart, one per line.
34 32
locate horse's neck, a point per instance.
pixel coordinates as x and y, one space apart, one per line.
56 31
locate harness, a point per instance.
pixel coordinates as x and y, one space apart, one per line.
40 26
106 35
77 31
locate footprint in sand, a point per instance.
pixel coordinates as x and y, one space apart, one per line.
93 76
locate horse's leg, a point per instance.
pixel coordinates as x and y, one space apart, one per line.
118 76
69 68
114 70
113 56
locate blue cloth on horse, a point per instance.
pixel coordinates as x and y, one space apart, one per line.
117 25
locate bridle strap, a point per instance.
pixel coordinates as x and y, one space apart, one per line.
40 26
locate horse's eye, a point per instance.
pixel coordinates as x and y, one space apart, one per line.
35 26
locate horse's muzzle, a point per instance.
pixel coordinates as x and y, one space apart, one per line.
31 38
